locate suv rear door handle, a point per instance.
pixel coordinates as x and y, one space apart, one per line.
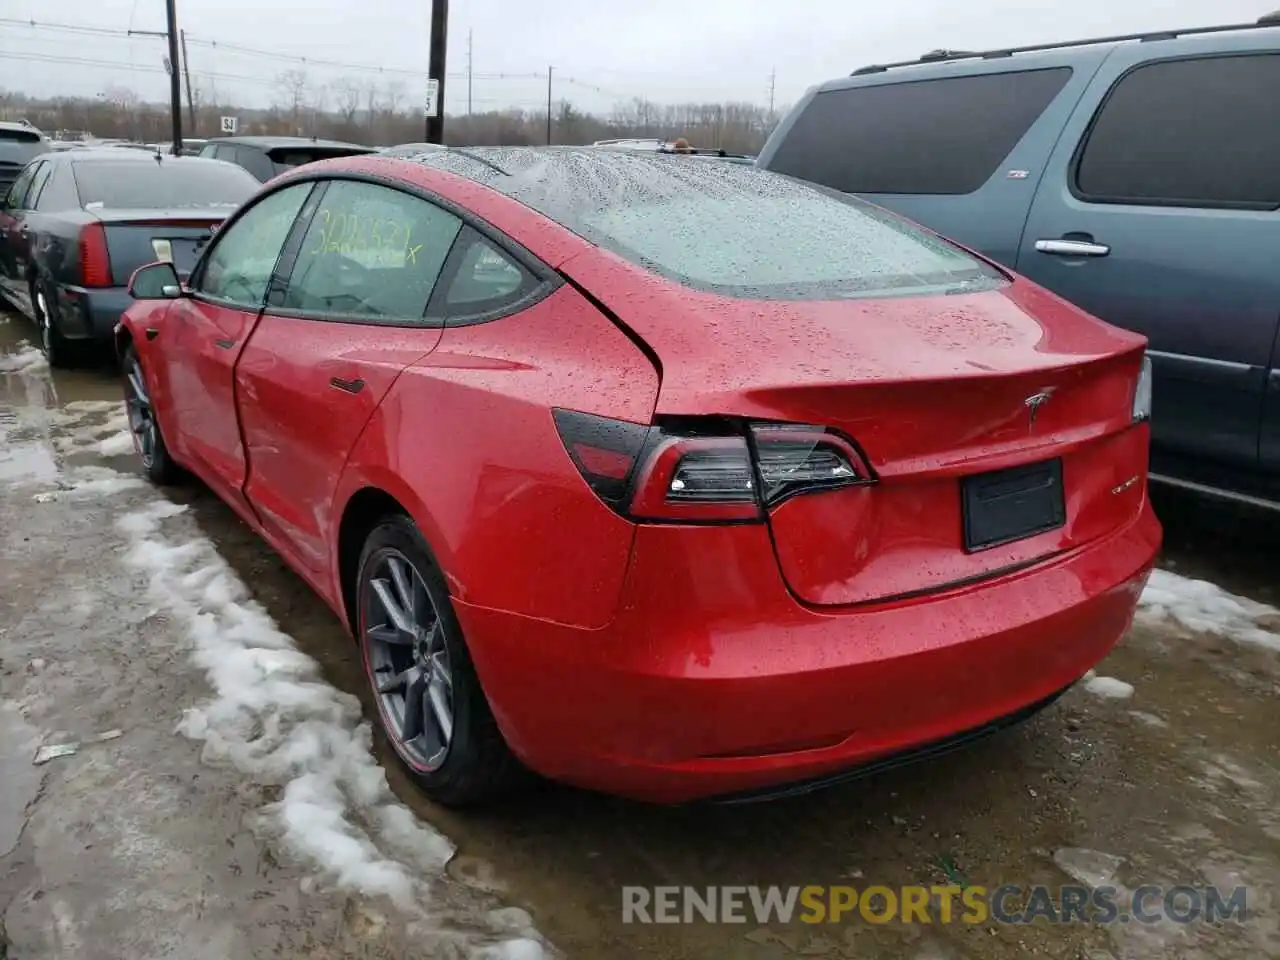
1073 248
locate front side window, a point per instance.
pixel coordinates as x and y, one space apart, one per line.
371 252
944 136
1201 132
239 266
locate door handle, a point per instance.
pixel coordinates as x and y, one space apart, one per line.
1073 248
348 386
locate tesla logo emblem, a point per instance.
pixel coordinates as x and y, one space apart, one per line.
1034 402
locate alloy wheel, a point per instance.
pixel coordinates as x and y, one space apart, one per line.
142 423
408 659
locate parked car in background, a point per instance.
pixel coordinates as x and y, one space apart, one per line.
19 144
672 147
407 150
1137 179
670 480
267 157
75 225
191 147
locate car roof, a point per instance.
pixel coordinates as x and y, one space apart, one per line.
24 128
1019 58
274 143
116 155
560 182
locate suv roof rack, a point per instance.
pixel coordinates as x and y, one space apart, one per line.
940 56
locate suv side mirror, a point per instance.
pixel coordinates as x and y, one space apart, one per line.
155 281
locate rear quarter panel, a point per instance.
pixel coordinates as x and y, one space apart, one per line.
466 442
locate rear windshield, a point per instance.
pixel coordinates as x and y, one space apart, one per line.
737 231
165 185
19 146
287 159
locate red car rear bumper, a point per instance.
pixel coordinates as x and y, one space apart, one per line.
713 680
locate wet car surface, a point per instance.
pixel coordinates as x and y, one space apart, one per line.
1178 781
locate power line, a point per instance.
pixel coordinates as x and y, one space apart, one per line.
247 51
193 40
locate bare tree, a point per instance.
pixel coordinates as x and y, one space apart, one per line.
736 127
346 98
293 89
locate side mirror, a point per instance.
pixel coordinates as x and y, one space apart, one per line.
155 281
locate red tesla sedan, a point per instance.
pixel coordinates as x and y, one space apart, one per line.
669 480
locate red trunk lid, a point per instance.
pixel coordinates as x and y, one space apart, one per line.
933 389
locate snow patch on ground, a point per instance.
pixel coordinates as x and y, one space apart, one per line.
26 360
116 445
108 438
90 481
275 719
1203 607
1108 687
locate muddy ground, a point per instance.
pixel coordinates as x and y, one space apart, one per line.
144 846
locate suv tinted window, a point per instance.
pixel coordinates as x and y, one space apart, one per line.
20 146
286 158
170 183
923 136
1202 132
371 253
256 162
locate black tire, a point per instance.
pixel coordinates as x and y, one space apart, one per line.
148 440
477 766
58 350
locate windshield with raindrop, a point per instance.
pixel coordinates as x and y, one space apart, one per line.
727 229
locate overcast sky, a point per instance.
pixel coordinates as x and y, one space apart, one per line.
602 50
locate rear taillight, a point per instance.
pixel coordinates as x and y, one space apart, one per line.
95 264
707 471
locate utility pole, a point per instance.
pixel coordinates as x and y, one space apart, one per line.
436 66
550 71
469 34
773 86
171 66
175 79
191 98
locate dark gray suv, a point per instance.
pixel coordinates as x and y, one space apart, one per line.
1138 177
19 144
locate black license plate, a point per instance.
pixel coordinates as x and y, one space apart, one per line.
1007 505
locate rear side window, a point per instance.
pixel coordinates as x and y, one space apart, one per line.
921 137
167 184
370 253
21 185
37 185
481 280
1202 132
